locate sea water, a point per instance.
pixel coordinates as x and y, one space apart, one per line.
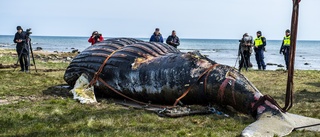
223 51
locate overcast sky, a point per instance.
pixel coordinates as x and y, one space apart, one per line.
212 19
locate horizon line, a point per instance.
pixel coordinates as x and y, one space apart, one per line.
148 38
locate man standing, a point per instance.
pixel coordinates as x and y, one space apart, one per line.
259 48
285 47
173 39
22 48
245 50
156 36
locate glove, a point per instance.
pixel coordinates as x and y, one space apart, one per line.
281 51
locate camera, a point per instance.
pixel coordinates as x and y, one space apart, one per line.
28 31
97 36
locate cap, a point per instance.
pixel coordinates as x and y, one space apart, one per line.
157 29
19 28
288 30
259 32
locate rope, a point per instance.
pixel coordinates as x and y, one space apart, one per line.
139 102
96 75
261 101
307 126
187 91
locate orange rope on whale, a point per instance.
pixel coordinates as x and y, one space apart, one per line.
96 75
223 87
187 91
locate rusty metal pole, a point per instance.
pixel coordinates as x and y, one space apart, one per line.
293 39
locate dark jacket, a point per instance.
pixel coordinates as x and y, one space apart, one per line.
156 38
22 36
22 47
173 41
246 44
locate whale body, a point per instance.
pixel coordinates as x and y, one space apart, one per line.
159 73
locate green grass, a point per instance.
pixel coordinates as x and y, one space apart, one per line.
38 107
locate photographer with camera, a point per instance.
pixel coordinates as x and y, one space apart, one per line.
245 50
95 37
22 48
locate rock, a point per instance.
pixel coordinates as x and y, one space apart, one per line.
280 65
306 63
58 57
68 59
72 48
39 48
7 66
75 51
271 64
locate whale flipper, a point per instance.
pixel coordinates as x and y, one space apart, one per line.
281 124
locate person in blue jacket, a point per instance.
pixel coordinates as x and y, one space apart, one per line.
156 36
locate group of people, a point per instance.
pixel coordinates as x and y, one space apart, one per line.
258 44
172 40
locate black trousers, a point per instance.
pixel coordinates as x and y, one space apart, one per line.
23 54
286 53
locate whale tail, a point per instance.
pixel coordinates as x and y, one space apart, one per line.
281 124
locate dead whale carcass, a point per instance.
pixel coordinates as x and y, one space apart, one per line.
159 73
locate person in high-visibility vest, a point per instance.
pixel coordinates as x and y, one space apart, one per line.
259 48
285 47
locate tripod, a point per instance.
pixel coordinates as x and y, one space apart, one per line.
34 62
243 62
245 57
